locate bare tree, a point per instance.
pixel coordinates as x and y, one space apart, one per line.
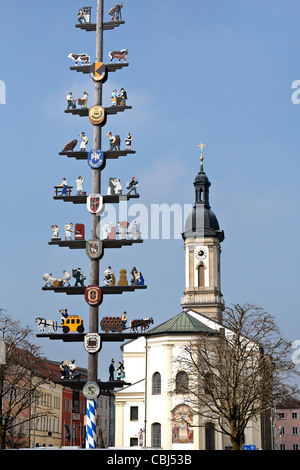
240 373
19 379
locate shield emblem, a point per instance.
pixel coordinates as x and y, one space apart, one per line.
94 249
97 114
95 158
92 342
93 295
98 71
95 204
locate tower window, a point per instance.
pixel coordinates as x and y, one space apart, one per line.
182 382
156 435
156 384
201 282
210 436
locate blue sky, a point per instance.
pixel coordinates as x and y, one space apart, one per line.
217 71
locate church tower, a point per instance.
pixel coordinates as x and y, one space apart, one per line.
202 238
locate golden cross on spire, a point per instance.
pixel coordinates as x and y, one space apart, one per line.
201 146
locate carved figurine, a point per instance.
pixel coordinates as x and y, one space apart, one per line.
105 230
113 323
122 228
109 279
71 102
84 15
64 186
79 276
114 186
49 279
43 324
83 101
115 12
65 369
72 324
53 281
140 279
132 185
120 371
143 323
114 98
64 313
68 370
72 369
81 16
118 187
66 278
84 142
79 233
69 147
68 231
114 141
83 58
122 54
112 370
137 277
119 99
55 231
135 231
79 183
128 141
123 278
123 97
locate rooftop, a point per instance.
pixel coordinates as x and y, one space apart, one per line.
182 323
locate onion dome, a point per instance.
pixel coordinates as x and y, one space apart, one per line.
202 222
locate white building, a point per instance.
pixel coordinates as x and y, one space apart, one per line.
150 362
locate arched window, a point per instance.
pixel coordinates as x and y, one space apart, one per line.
156 435
182 382
210 436
201 282
156 384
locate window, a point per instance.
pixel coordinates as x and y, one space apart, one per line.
280 415
207 383
156 435
294 415
75 401
282 447
134 413
282 430
294 430
182 382
210 436
295 447
133 441
156 384
201 282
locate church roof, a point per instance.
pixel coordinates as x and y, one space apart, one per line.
182 323
202 222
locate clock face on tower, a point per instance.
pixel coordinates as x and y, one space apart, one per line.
201 252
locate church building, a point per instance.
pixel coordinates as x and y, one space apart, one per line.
146 412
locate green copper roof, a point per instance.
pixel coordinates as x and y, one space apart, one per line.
180 324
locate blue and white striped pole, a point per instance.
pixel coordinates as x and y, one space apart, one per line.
91 421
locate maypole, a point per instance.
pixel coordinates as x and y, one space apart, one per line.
114 328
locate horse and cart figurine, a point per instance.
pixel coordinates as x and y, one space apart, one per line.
118 324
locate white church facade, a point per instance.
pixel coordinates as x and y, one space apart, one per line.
153 410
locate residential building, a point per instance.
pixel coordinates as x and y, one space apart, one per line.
287 426
60 410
